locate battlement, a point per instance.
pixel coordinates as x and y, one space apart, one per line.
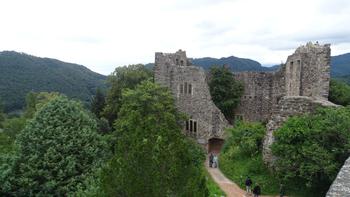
178 58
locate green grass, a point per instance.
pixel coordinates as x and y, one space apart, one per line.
237 166
214 189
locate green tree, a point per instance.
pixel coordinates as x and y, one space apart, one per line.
225 90
98 102
313 147
152 156
339 92
122 78
2 115
13 126
247 136
35 101
58 149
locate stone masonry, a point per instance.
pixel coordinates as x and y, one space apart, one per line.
341 185
189 87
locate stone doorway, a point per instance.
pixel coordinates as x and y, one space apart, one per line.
215 145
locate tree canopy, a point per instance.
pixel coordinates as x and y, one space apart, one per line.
313 147
339 92
126 77
152 156
225 90
57 150
98 102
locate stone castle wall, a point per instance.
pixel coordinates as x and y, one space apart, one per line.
189 87
341 185
306 73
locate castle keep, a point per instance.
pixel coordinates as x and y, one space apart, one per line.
189 87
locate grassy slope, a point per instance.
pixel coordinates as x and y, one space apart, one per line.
237 167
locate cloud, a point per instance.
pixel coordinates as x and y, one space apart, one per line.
108 33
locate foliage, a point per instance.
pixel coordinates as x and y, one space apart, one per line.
2 115
152 156
13 126
57 150
98 102
236 165
126 77
225 90
312 148
35 101
247 136
21 73
339 92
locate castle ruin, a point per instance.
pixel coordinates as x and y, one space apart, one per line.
299 86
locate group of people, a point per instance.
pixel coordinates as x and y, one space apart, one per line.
248 186
213 161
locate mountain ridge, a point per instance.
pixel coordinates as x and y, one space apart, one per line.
21 73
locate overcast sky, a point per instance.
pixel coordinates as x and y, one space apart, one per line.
103 34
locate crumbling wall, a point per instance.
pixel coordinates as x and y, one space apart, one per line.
191 92
288 106
341 185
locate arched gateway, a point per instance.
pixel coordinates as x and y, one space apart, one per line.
215 145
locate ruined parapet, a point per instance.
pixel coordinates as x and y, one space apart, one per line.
191 92
308 71
341 185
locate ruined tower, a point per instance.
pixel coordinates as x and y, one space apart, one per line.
189 86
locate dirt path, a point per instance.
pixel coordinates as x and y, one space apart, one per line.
230 188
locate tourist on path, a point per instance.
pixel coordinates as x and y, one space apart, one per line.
211 157
282 191
257 190
248 184
216 161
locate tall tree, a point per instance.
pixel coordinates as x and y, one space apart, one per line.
126 77
225 90
152 156
98 102
58 149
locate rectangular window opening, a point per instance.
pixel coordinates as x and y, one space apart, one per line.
191 125
190 88
185 87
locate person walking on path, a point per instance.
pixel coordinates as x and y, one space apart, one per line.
282 190
216 161
257 190
248 184
211 157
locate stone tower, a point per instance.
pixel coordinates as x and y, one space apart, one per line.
188 84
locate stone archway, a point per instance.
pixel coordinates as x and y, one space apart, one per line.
215 145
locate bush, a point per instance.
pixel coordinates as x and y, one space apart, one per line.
247 136
312 148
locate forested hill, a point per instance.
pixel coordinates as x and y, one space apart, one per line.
235 64
21 73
